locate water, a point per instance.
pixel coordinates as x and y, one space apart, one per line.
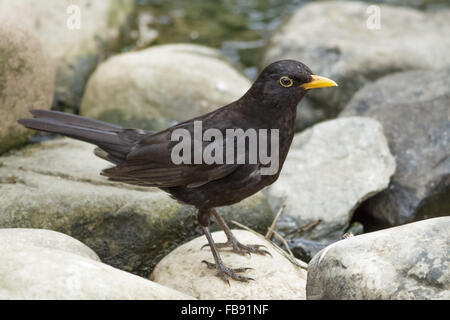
240 28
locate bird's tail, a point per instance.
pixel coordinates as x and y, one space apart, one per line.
114 141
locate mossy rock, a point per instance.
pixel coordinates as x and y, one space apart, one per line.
73 52
56 186
26 81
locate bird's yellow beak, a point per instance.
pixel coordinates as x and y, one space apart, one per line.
319 82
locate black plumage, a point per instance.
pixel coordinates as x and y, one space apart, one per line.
144 157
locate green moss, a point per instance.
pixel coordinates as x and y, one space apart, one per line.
131 230
13 139
120 11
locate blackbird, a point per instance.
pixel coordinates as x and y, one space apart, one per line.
145 158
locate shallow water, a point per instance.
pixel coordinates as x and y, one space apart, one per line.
239 28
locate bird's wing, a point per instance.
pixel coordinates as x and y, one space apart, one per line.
150 163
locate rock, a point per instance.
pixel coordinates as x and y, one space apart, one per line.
413 108
336 43
26 81
38 273
56 185
330 169
74 52
155 93
307 115
417 3
45 239
275 277
407 262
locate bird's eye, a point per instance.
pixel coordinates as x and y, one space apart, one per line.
286 82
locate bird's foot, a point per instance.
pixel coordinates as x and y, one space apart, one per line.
242 248
225 272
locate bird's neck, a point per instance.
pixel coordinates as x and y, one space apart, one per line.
269 112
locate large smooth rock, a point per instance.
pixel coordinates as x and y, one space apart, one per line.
275 277
162 85
74 53
26 81
418 3
330 169
413 108
333 39
37 273
56 185
407 262
45 239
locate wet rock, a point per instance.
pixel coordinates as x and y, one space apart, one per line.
45 239
162 85
407 262
330 169
56 185
337 43
74 52
38 273
275 277
413 108
26 81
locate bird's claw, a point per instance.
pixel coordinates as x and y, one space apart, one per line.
242 248
225 272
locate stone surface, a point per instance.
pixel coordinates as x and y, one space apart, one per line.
418 3
407 262
308 114
75 52
45 239
413 108
56 185
330 169
154 92
38 273
336 43
275 277
26 81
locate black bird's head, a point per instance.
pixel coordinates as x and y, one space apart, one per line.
286 82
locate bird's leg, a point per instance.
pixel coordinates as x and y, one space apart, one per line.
224 272
233 243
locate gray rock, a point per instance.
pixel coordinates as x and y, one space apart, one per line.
275 277
37 273
336 43
417 3
308 114
74 53
330 169
56 186
45 239
26 81
154 92
407 262
413 108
